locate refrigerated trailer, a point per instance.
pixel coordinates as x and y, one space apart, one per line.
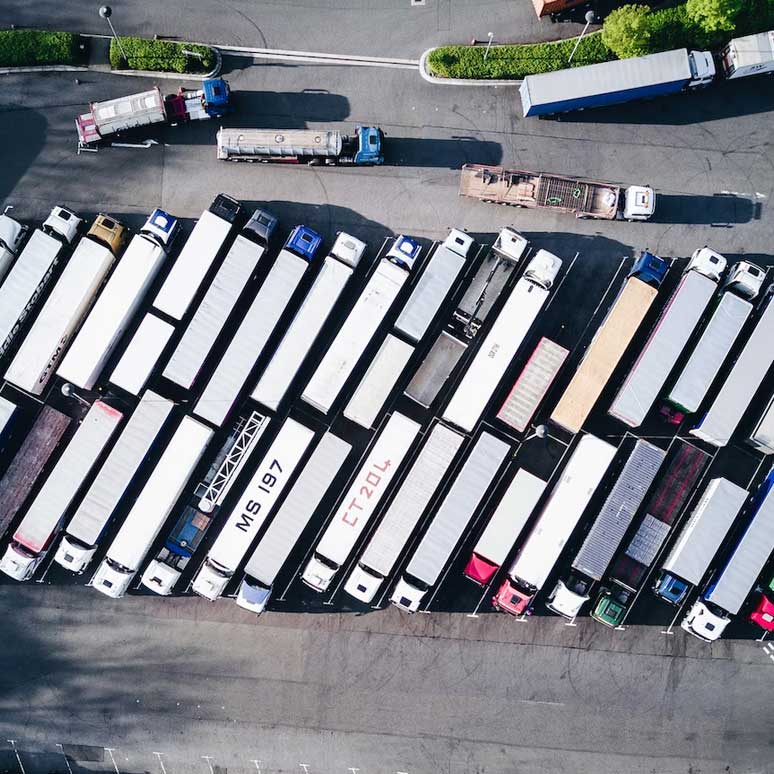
355 333
505 526
44 516
439 276
257 325
357 507
411 501
302 333
459 506
180 545
60 317
727 589
29 461
503 341
610 341
114 310
151 508
32 272
303 500
558 518
252 509
217 305
95 511
718 424
197 256
668 338
699 540
532 384
631 566
607 531
377 383
141 354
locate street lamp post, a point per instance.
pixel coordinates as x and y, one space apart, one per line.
106 12
488 45
590 17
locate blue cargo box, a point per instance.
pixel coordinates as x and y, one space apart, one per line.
607 83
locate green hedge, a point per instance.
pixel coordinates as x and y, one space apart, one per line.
26 48
514 62
160 55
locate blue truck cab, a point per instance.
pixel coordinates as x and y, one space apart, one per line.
671 588
217 97
650 269
404 252
303 242
369 146
161 228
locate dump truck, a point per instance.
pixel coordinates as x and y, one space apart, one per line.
723 328
668 338
303 146
607 530
111 119
699 540
558 518
729 586
631 567
258 324
210 317
309 321
610 341
359 503
503 341
304 498
402 517
457 509
536 190
45 514
95 511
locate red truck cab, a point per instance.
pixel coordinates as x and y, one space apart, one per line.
480 570
510 599
763 615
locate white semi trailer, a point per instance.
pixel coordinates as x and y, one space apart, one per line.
151 508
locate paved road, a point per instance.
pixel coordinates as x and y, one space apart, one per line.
377 694
395 28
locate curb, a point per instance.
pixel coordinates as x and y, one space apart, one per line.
423 71
313 57
44 69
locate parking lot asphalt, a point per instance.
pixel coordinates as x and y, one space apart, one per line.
459 692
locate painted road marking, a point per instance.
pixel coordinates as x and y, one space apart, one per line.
67 762
257 764
110 751
12 742
208 758
316 57
161 763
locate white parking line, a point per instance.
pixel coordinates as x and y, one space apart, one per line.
208 758
257 764
12 742
161 763
67 762
110 751
305 767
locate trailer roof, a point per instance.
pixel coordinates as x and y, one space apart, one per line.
607 77
753 49
279 142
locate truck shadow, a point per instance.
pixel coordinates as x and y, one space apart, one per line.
34 128
449 153
719 210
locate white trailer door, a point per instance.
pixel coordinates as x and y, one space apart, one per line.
141 355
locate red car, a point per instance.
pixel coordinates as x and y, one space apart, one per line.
763 615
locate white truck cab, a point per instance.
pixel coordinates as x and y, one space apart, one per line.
18 564
511 244
703 623
543 269
348 249
74 555
702 69
639 202
253 596
404 252
363 585
210 581
565 602
160 577
707 262
12 235
111 579
406 596
458 242
64 223
318 574
745 279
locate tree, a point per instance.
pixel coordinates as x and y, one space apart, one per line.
626 31
714 15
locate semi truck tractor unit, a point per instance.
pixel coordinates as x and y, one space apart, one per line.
535 190
402 517
303 146
109 120
282 534
630 568
610 341
503 341
43 520
12 235
361 500
729 586
459 506
557 520
699 540
151 509
254 507
658 357
607 530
